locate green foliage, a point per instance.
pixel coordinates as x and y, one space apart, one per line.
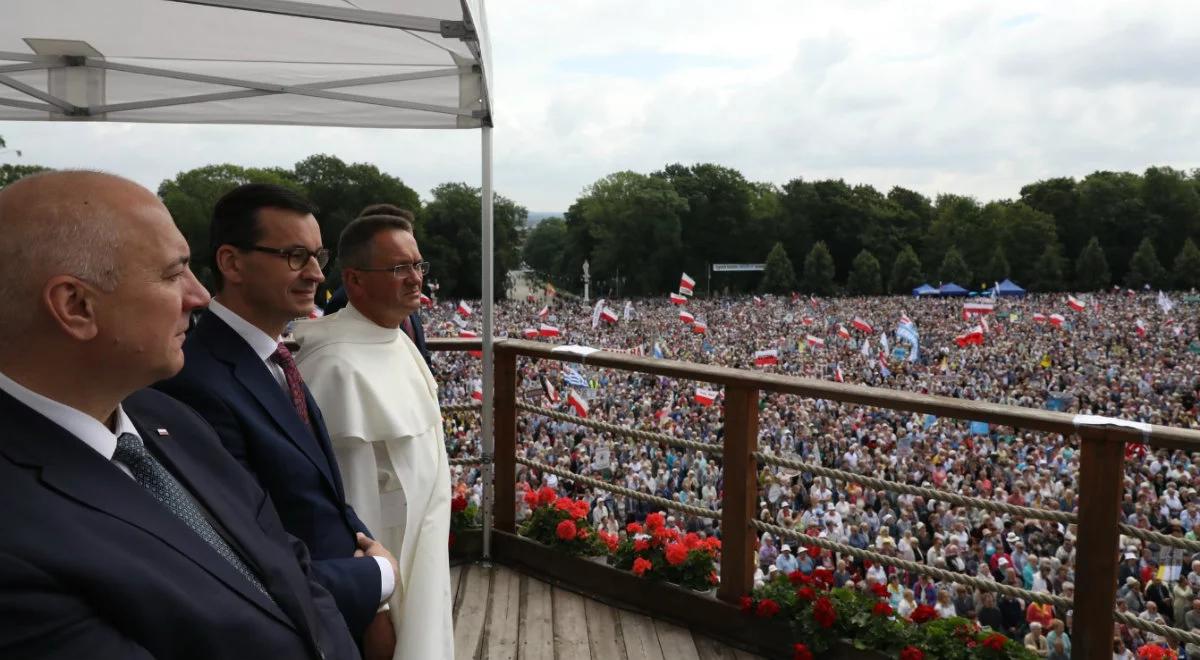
1144 267
1091 268
865 279
818 270
1048 271
10 173
997 269
448 232
545 247
547 520
779 276
906 271
954 269
1187 266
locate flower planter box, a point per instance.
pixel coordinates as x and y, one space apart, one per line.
468 546
660 600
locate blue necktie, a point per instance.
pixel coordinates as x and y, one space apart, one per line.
163 486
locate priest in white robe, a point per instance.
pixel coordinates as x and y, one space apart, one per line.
381 409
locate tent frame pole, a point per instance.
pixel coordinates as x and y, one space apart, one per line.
487 414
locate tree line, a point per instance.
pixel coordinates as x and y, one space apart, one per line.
639 231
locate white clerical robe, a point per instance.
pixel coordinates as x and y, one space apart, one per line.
381 408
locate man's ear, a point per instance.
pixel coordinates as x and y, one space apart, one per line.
351 281
229 262
72 306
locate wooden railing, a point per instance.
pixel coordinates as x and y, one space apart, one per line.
1101 477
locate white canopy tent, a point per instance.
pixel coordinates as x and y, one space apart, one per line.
357 63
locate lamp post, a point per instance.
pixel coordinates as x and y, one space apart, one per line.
587 277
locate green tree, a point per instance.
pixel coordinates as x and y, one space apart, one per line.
818 270
1144 267
906 271
1024 232
779 276
865 279
997 268
10 173
1091 268
448 229
954 269
717 222
1187 266
545 247
1048 271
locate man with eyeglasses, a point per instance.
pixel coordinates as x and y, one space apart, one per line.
381 407
238 374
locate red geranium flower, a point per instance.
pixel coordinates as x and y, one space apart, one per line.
581 509
691 540
880 590
802 652
713 544
766 609
532 499
546 496
924 613
824 612
566 530
805 593
995 641
881 609
640 566
796 577
912 653
824 576
655 521
633 528
747 604
641 545
713 578
565 504
676 553
458 504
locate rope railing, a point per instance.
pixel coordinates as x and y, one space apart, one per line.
699 512
461 407
1151 536
621 430
467 460
1157 628
1064 517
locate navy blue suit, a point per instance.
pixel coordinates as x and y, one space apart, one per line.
340 300
227 383
91 566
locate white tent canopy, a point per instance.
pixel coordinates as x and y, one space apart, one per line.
358 63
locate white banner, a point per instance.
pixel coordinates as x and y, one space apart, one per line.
727 268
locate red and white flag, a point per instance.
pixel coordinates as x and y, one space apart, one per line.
469 334
699 328
837 374
530 333
1075 303
577 402
904 320
974 336
979 307
705 397
862 325
758 301
686 285
464 310
607 314
544 312
426 301
550 390
843 332
807 320
1140 327
547 330
814 342
677 299
1038 317
686 317
477 392
1056 320
765 358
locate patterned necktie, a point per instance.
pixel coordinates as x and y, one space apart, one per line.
283 357
171 494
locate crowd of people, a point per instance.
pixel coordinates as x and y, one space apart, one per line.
1128 355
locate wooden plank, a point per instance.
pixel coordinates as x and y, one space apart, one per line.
1101 466
739 654
537 627
570 626
741 493
710 649
504 616
505 434
641 641
676 642
468 629
604 635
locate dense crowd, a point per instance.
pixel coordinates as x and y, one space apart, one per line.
1126 355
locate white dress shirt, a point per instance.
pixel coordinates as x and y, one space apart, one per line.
264 346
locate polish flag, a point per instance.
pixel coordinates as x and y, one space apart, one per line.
758 301
1038 317
530 333
904 320
861 325
544 312
677 299
464 310
1056 320
577 402
843 332
547 330
807 320
837 374
765 358
978 307
1075 303
471 335
705 397
814 342
609 315
1140 327
699 328
426 301
971 336
686 317
550 390
477 393
686 285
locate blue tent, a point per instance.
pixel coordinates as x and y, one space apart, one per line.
1010 288
952 289
925 290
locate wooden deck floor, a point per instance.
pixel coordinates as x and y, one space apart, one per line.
500 614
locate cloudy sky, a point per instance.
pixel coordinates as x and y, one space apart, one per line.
966 96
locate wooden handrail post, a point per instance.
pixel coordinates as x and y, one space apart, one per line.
505 452
1101 480
741 492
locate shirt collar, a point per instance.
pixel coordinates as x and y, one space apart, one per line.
260 342
79 424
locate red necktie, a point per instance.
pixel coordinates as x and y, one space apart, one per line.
283 357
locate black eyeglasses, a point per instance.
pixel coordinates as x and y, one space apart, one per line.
297 257
401 271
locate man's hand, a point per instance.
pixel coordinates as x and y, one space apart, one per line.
379 640
369 547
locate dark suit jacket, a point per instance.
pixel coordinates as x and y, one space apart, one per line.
91 566
340 300
224 380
